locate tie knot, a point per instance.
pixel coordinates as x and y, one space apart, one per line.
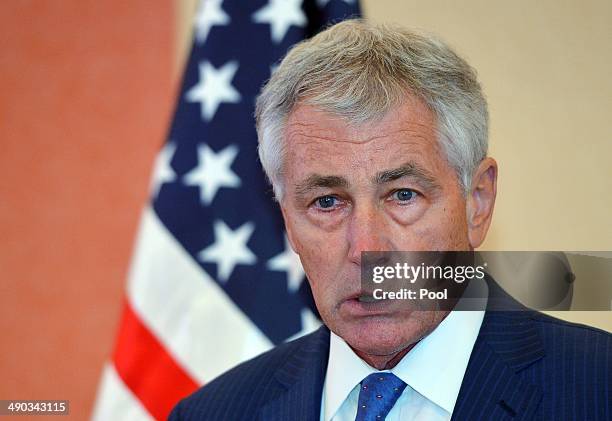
377 395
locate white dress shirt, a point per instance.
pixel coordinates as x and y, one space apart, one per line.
433 371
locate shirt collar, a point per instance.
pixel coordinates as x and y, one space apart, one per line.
434 367
345 370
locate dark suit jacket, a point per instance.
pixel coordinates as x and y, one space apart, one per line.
524 366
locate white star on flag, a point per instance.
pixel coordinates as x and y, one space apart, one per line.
214 88
229 249
213 172
281 14
209 14
273 68
288 261
310 323
162 170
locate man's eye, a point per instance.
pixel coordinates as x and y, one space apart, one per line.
404 195
326 202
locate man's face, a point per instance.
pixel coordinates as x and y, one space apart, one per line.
384 186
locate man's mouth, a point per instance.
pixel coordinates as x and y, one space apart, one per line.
367 298
363 304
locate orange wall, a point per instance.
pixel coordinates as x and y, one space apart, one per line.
85 95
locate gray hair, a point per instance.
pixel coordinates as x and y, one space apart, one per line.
360 71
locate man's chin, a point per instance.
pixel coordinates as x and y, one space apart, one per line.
380 337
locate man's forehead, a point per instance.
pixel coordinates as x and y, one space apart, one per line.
325 151
320 142
307 123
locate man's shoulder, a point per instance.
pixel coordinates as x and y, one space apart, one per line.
244 388
533 366
511 324
574 373
566 338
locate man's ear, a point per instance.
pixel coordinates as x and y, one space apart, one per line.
481 200
288 227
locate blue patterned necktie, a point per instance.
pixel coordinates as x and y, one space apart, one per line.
377 395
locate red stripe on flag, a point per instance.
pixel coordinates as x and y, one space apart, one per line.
147 369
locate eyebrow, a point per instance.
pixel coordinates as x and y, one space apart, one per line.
317 181
409 169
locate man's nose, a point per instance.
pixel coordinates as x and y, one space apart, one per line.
367 231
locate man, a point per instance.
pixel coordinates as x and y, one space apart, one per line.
375 139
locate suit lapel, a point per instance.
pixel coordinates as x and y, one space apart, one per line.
300 381
492 387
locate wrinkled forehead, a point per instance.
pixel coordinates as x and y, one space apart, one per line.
309 120
327 144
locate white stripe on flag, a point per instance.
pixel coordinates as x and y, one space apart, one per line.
185 308
115 401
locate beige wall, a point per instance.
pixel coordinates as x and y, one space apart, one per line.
545 67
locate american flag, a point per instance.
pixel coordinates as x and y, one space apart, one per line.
213 280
